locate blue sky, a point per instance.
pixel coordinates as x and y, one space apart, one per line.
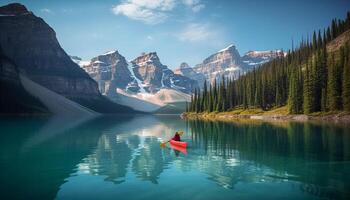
182 30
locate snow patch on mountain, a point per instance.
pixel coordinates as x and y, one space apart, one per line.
79 61
144 84
110 52
227 48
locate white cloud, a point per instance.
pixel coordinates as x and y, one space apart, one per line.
153 11
195 32
195 5
46 10
148 11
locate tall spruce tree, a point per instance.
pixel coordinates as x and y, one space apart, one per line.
346 80
293 98
307 93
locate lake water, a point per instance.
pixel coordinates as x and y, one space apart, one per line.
120 158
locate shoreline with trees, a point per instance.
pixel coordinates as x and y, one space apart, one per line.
310 82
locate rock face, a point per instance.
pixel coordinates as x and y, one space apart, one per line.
144 83
188 71
14 9
226 62
145 74
111 71
255 58
154 75
13 97
32 45
149 70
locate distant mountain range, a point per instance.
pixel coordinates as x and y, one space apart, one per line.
145 77
143 80
228 63
106 83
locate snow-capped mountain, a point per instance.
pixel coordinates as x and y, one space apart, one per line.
225 62
79 61
255 58
154 75
188 71
110 71
228 63
144 84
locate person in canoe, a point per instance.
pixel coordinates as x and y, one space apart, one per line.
177 136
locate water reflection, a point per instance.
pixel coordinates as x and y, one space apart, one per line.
129 146
317 155
315 158
40 159
37 155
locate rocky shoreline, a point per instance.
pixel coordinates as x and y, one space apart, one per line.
330 117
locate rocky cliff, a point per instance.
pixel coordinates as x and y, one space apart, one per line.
226 62
144 74
185 70
144 83
32 45
110 70
13 97
154 75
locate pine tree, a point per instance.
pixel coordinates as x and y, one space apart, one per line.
346 81
205 97
210 99
307 107
323 78
333 87
258 95
293 100
195 101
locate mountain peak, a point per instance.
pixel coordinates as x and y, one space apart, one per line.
229 47
152 54
13 9
184 65
111 52
146 57
267 53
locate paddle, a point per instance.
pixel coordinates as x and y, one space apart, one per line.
164 143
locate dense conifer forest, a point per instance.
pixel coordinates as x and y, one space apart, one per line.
314 77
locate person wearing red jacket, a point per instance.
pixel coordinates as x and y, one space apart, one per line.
176 137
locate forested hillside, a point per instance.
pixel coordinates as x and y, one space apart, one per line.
313 77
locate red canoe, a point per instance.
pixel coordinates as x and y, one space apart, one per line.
178 143
179 148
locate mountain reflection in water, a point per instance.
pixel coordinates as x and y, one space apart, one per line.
120 156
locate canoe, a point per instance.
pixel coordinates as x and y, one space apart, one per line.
178 143
179 148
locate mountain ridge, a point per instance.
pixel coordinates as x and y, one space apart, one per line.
32 45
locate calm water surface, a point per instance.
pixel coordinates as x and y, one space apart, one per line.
120 158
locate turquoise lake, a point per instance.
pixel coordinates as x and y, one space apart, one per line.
119 157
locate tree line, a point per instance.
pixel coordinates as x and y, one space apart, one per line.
310 78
